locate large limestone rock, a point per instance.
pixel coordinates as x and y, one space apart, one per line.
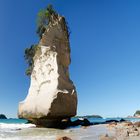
52 95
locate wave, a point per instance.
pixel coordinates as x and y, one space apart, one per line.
6 126
8 131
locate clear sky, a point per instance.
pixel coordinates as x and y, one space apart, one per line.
105 44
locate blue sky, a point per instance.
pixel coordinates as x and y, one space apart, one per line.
105 44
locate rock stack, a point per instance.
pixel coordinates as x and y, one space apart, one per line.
52 95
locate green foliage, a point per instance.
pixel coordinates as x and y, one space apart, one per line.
137 112
40 30
29 55
44 18
28 71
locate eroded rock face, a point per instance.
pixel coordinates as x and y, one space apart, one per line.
52 95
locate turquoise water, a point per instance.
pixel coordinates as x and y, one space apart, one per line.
94 120
13 121
101 120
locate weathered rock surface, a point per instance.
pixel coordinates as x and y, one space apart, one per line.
52 95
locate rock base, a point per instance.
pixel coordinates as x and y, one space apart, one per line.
60 123
48 123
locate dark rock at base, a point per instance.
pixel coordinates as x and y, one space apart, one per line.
2 116
82 122
29 122
76 122
64 138
61 124
51 123
110 121
86 122
122 120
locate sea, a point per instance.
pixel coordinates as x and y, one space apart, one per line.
19 129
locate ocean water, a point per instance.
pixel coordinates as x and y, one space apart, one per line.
17 129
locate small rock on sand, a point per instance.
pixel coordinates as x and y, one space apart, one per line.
64 138
106 137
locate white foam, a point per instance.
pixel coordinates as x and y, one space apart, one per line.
16 126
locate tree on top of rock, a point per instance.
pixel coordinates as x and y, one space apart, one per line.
45 16
137 113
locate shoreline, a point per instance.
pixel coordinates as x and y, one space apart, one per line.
112 130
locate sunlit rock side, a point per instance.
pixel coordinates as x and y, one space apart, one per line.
52 95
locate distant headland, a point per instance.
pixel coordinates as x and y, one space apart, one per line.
2 116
